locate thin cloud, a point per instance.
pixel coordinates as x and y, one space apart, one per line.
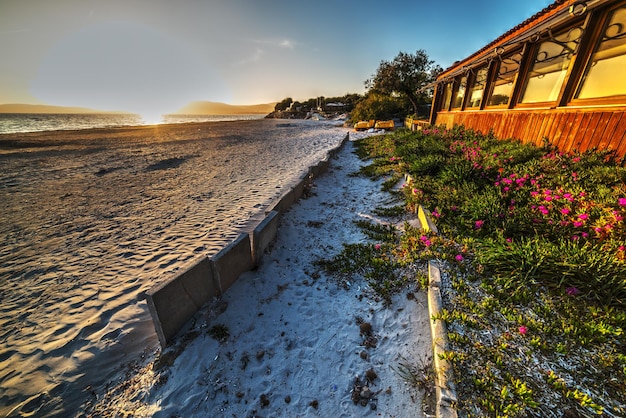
283 43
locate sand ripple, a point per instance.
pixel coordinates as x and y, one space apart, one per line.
92 218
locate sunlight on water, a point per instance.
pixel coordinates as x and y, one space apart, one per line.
151 118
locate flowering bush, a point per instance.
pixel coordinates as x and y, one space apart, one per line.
535 242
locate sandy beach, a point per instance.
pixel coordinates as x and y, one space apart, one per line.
93 218
287 339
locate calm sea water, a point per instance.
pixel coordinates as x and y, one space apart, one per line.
88 224
26 122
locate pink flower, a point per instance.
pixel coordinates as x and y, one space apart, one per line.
621 201
377 246
584 235
583 216
578 224
523 330
479 224
565 211
575 159
436 214
458 258
509 240
621 248
572 291
425 240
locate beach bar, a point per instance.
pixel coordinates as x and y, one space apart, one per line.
559 76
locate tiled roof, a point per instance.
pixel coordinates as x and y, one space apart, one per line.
556 5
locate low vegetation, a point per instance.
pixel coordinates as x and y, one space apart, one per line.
532 247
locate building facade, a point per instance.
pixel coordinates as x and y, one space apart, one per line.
559 76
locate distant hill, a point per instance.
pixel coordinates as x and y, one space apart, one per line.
215 108
31 108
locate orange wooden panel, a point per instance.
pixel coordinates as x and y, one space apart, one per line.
618 140
567 139
560 124
507 124
609 131
577 137
534 127
594 130
543 120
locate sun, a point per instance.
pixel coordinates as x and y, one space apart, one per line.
151 118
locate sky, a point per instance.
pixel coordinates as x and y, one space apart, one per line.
155 56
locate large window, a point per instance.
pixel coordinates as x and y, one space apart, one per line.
604 75
550 66
503 86
459 95
447 95
478 87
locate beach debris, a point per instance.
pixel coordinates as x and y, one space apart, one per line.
287 399
314 403
365 328
364 355
265 401
220 332
371 375
362 394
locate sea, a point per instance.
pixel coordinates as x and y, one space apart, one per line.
36 122
90 222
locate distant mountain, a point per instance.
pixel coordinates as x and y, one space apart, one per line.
31 108
215 108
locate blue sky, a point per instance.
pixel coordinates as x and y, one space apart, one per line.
155 56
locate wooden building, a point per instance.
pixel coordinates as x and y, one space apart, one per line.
560 75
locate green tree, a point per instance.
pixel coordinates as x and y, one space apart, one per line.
378 106
283 104
405 75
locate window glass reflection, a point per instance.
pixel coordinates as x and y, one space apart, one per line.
478 88
447 95
550 66
604 75
503 86
460 93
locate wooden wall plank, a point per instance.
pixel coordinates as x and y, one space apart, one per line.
566 129
578 136
609 131
594 130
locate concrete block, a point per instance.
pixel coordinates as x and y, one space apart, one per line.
263 235
445 390
323 166
174 302
314 171
232 261
283 203
425 219
298 188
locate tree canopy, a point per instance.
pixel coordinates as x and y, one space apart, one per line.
405 75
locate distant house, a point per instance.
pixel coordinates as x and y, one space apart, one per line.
560 75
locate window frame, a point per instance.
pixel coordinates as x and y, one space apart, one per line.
531 56
494 78
455 91
594 40
472 83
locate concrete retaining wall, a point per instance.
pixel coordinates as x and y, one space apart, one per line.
232 261
263 235
175 301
